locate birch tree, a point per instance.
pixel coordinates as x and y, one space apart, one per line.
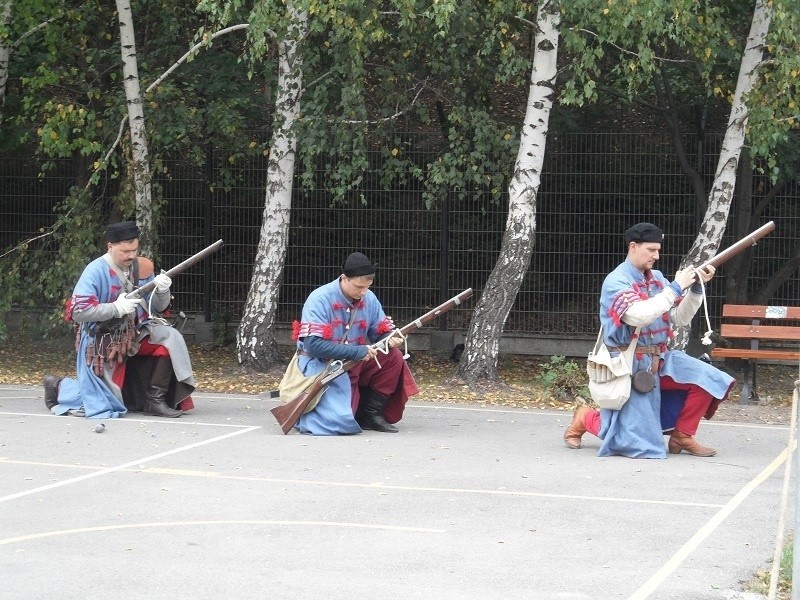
5 22
255 340
139 165
481 348
721 195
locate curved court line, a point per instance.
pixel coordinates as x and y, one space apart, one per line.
706 530
377 485
62 532
127 465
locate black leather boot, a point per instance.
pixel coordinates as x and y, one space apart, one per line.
51 385
370 413
156 402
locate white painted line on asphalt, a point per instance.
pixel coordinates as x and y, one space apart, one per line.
127 465
49 534
180 421
381 485
706 530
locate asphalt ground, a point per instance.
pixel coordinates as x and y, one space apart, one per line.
464 503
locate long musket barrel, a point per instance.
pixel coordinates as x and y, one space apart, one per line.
743 244
195 258
288 414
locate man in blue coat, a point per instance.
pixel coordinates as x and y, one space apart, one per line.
636 295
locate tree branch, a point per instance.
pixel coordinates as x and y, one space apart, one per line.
631 53
398 112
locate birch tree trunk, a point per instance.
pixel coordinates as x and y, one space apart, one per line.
481 347
5 52
719 201
140 162
255 340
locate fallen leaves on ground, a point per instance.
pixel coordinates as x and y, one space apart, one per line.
216 370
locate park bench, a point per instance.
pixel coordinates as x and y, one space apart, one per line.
744 322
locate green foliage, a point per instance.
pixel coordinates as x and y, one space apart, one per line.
563 379
692 50
774 118
371 69
46 269
624 44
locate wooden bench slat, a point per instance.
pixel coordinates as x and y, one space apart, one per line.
770 324
747 311
761 332
754 354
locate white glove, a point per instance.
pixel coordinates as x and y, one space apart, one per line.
162 281
124 305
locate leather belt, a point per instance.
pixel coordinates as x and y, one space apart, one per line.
654 351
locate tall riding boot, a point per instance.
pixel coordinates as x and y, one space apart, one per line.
51 385
156 402
370 413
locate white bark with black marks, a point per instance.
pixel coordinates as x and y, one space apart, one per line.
140 161
481 347
5 52
256 345
721 196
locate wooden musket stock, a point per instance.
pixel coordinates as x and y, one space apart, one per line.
288 414
741 245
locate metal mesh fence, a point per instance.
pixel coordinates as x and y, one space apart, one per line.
593 187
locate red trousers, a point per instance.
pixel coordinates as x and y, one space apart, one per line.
384 380
694 408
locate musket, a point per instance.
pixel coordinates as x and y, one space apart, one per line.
741 245
195 258
288 414
723 257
